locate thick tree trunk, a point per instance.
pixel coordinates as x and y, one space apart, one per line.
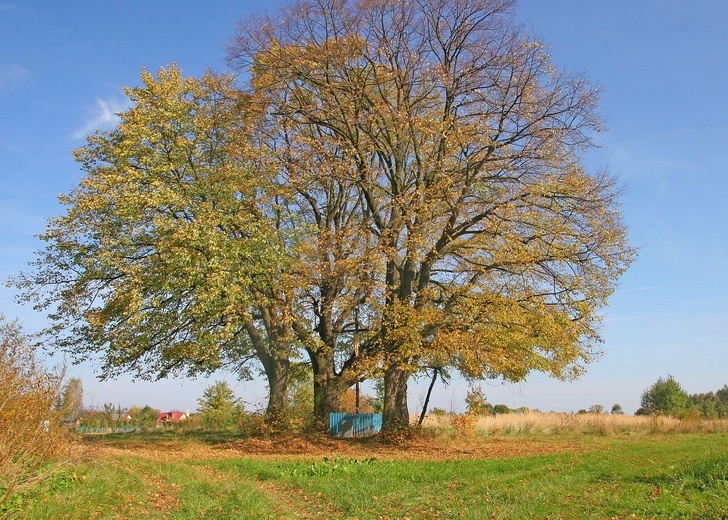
328 388
396 412
276 371
274 356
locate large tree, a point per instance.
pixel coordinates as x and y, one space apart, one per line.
417 162
491 245
170 258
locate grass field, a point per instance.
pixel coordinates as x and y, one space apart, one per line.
496 471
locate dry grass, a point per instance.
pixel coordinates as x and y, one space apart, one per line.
560 423
31 436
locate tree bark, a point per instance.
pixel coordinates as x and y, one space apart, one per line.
396 412
328 386
276 371
276 364
328 389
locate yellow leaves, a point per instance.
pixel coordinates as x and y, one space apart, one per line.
441 191
489 335
407 334
165 235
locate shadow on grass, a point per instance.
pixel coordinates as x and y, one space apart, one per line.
709 472
165 435
397 438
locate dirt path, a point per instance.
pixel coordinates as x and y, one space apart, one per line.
162 497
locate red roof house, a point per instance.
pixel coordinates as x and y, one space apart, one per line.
171 417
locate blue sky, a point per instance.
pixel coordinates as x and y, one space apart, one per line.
663 68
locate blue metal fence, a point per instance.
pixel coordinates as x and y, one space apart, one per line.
354 425
105 429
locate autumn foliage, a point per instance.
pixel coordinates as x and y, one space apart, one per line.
409 173
455 144
31 435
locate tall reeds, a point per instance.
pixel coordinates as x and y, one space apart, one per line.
562 423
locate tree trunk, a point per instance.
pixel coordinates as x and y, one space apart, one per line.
276 364
327 394
396 413
276 371
328 388
435 371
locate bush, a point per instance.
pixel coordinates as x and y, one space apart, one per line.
500 409
145 417
300 398
617 409
464 424
438 412
31 433
477 402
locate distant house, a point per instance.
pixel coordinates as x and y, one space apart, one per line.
121 417
166 418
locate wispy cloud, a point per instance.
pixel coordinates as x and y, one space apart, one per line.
11 74
103 117
646 288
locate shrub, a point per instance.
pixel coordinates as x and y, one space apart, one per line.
145 417
438 412
464 424
477 402
31 433
501 409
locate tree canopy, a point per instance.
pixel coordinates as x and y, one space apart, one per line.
70 402
166 260
409 172
489 243
219 407
664 397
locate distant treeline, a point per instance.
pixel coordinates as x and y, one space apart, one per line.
667 397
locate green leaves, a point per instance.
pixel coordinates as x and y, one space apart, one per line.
152 264
665 397
219 408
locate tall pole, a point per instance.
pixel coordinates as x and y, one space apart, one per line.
356 352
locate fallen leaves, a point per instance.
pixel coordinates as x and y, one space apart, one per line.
320 445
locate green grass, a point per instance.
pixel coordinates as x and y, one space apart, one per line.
141 488
162 435
659 476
